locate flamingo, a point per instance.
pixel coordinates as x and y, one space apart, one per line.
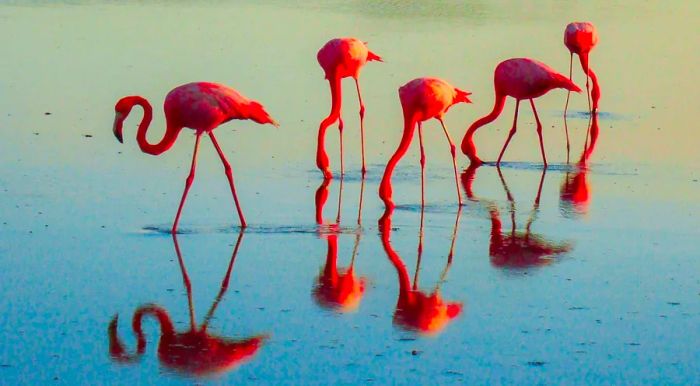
422 99
580 38
341 58
575 192
201 106
520 78
337 289
196 351
416 310
515 249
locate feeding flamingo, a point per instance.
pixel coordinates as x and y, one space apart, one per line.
416 310
341 58
515 249
520 78
422 99
200 106
580 38
195 351
575 192
335 288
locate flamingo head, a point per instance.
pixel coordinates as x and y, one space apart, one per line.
121 111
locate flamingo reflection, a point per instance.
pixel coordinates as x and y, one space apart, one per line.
195 352
516 249
575 193
416 310
337 289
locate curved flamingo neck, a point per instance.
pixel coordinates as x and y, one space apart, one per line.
385 186
166 325
595 92
401 270
330 271
468 147
333 116
171 132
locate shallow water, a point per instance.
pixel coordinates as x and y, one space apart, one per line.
84 220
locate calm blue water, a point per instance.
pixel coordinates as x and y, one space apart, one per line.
82 218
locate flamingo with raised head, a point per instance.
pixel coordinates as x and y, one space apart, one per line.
580 38
195 352
520 78
202 107
341 58
421 100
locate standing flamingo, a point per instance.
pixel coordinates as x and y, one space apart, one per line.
195 352
422 99
520 78
580 38
200 106
341 58
417 310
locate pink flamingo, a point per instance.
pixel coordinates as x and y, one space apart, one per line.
422 99
580 38
575 192
200 106
195 352
341 58
520 78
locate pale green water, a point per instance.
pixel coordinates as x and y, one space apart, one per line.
621 307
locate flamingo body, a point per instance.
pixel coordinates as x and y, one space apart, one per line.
520 78
341 58
421 99
201 106
580 38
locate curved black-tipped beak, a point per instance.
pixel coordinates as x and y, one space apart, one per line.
117 127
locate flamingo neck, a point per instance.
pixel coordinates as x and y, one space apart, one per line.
330 271
166 325
168 139
401 270
595 92
496 226
333 116
385 186
468 147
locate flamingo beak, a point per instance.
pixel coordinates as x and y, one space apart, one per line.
274 123
117 127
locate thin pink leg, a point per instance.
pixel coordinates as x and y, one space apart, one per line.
362 125
566 107
188 181
539 132
341 126
229 175
511 133
422 165
453 151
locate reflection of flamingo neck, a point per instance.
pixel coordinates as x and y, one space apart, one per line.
320 200
405 293
409 127
330 271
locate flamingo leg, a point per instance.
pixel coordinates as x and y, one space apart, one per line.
420 249
422 165
224 283
566 107
511 133
539 132
340 201
229 175
186 281
188 181
453 151
341 126
362 125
